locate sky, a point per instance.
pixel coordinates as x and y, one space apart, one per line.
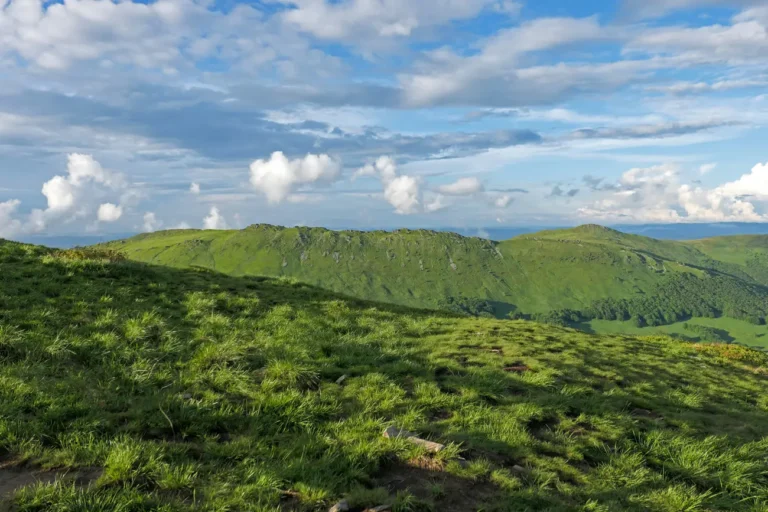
130 116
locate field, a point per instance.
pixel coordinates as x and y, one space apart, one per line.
530 276
733 330
130 387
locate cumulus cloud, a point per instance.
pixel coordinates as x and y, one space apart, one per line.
401 191
109 212
194 188
76 194
462 187
151 222
215 220
9 226
57 35
278 177
655 194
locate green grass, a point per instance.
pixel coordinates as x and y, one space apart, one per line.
193 390
732 329
530 274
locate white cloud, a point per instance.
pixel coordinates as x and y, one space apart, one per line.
753 184
194 188
707 168
742 42
367 22
109 212
57 35
215 220
279 177
462 187
9 226
75 195
151 222
503 201
680 88
498 68
402 192
655 194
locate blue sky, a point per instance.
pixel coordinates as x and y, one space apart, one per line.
123 116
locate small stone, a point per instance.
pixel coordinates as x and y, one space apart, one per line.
186 396
518 468
341 506
380 508
394 433
428 445
341 379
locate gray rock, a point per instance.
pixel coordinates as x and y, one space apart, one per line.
341 506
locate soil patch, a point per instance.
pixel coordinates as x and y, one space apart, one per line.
448 492
12 479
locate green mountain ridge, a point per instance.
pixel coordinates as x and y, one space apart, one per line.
133 387
539 275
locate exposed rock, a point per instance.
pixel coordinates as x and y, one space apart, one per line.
394 433
518 469
341 379
285 263
336 257
421 265
341 506
304 256
380 508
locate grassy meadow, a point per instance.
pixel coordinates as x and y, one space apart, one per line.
730 330
546 276
130 387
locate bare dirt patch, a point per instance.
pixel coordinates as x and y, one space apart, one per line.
448 492
13 479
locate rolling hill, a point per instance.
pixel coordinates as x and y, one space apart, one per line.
132 387
599 273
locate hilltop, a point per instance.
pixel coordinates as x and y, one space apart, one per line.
127 386
573 276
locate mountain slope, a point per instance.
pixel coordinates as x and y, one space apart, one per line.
151 388
537 273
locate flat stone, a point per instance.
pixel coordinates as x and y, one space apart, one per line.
394 433
428 445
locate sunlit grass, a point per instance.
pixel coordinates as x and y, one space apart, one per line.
190 390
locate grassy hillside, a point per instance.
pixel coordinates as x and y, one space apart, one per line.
131 387
531 274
